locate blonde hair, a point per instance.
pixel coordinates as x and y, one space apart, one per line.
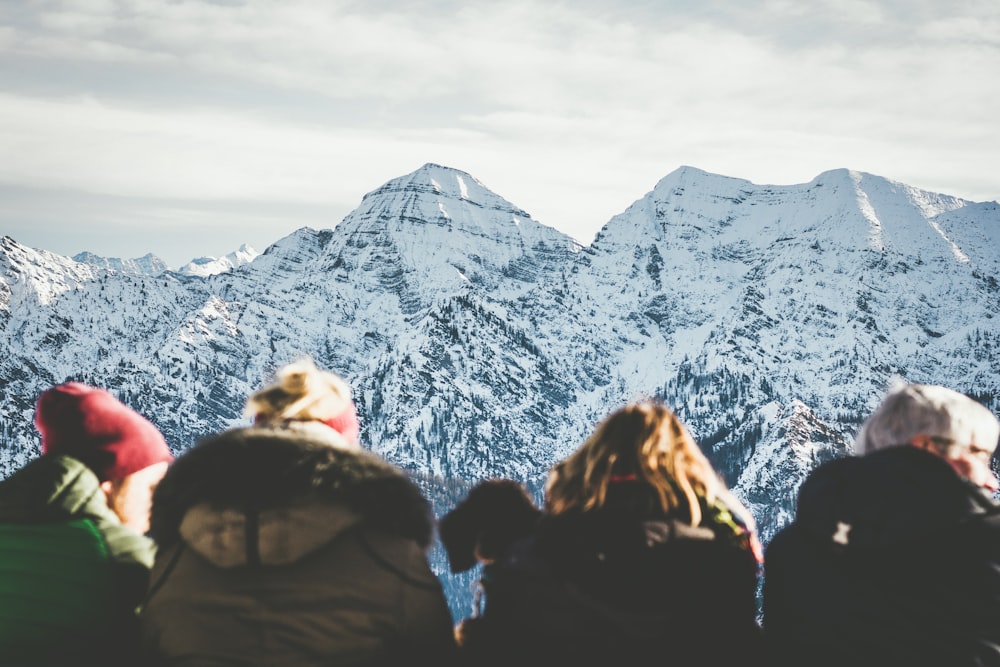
301 392
646 440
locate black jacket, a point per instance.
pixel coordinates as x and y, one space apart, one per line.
892 559
605 587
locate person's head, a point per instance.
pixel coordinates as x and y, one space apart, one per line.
645 442
304 393
124 450
939 420
494 514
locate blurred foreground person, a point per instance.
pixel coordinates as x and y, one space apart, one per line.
640 555
287 544
894 556
74 564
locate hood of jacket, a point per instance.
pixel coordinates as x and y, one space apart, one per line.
53 488
887 498
278 536
271 495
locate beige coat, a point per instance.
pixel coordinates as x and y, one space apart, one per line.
313 556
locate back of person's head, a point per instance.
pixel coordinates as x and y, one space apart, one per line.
304 393
494 514
92 426
645 442
944 416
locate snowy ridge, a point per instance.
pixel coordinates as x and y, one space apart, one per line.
210 266
149 264
36 277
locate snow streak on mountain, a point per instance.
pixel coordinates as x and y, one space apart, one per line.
481 343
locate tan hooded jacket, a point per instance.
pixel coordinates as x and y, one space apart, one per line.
278 548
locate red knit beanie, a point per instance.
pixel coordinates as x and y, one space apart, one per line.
93 427
346 422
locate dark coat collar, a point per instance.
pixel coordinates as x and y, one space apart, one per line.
890 496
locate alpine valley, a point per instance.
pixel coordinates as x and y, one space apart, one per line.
481 343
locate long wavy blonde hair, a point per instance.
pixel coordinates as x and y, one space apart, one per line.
645 441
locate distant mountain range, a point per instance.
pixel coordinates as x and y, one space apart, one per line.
481 343
209 266
151 265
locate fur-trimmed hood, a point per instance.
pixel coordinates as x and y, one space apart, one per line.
54 488
294 488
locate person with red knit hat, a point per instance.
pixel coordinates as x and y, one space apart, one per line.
287 543
126 452
74 519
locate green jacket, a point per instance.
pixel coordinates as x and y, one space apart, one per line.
71 575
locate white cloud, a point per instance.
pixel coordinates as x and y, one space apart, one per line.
569 110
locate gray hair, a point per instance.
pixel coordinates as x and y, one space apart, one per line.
913 410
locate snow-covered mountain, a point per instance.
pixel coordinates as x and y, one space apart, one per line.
210 266
149 264
482 343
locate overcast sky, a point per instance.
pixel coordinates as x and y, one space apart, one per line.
186 128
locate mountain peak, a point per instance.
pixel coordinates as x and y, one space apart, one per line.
692 176
450 185
439 228
841 173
